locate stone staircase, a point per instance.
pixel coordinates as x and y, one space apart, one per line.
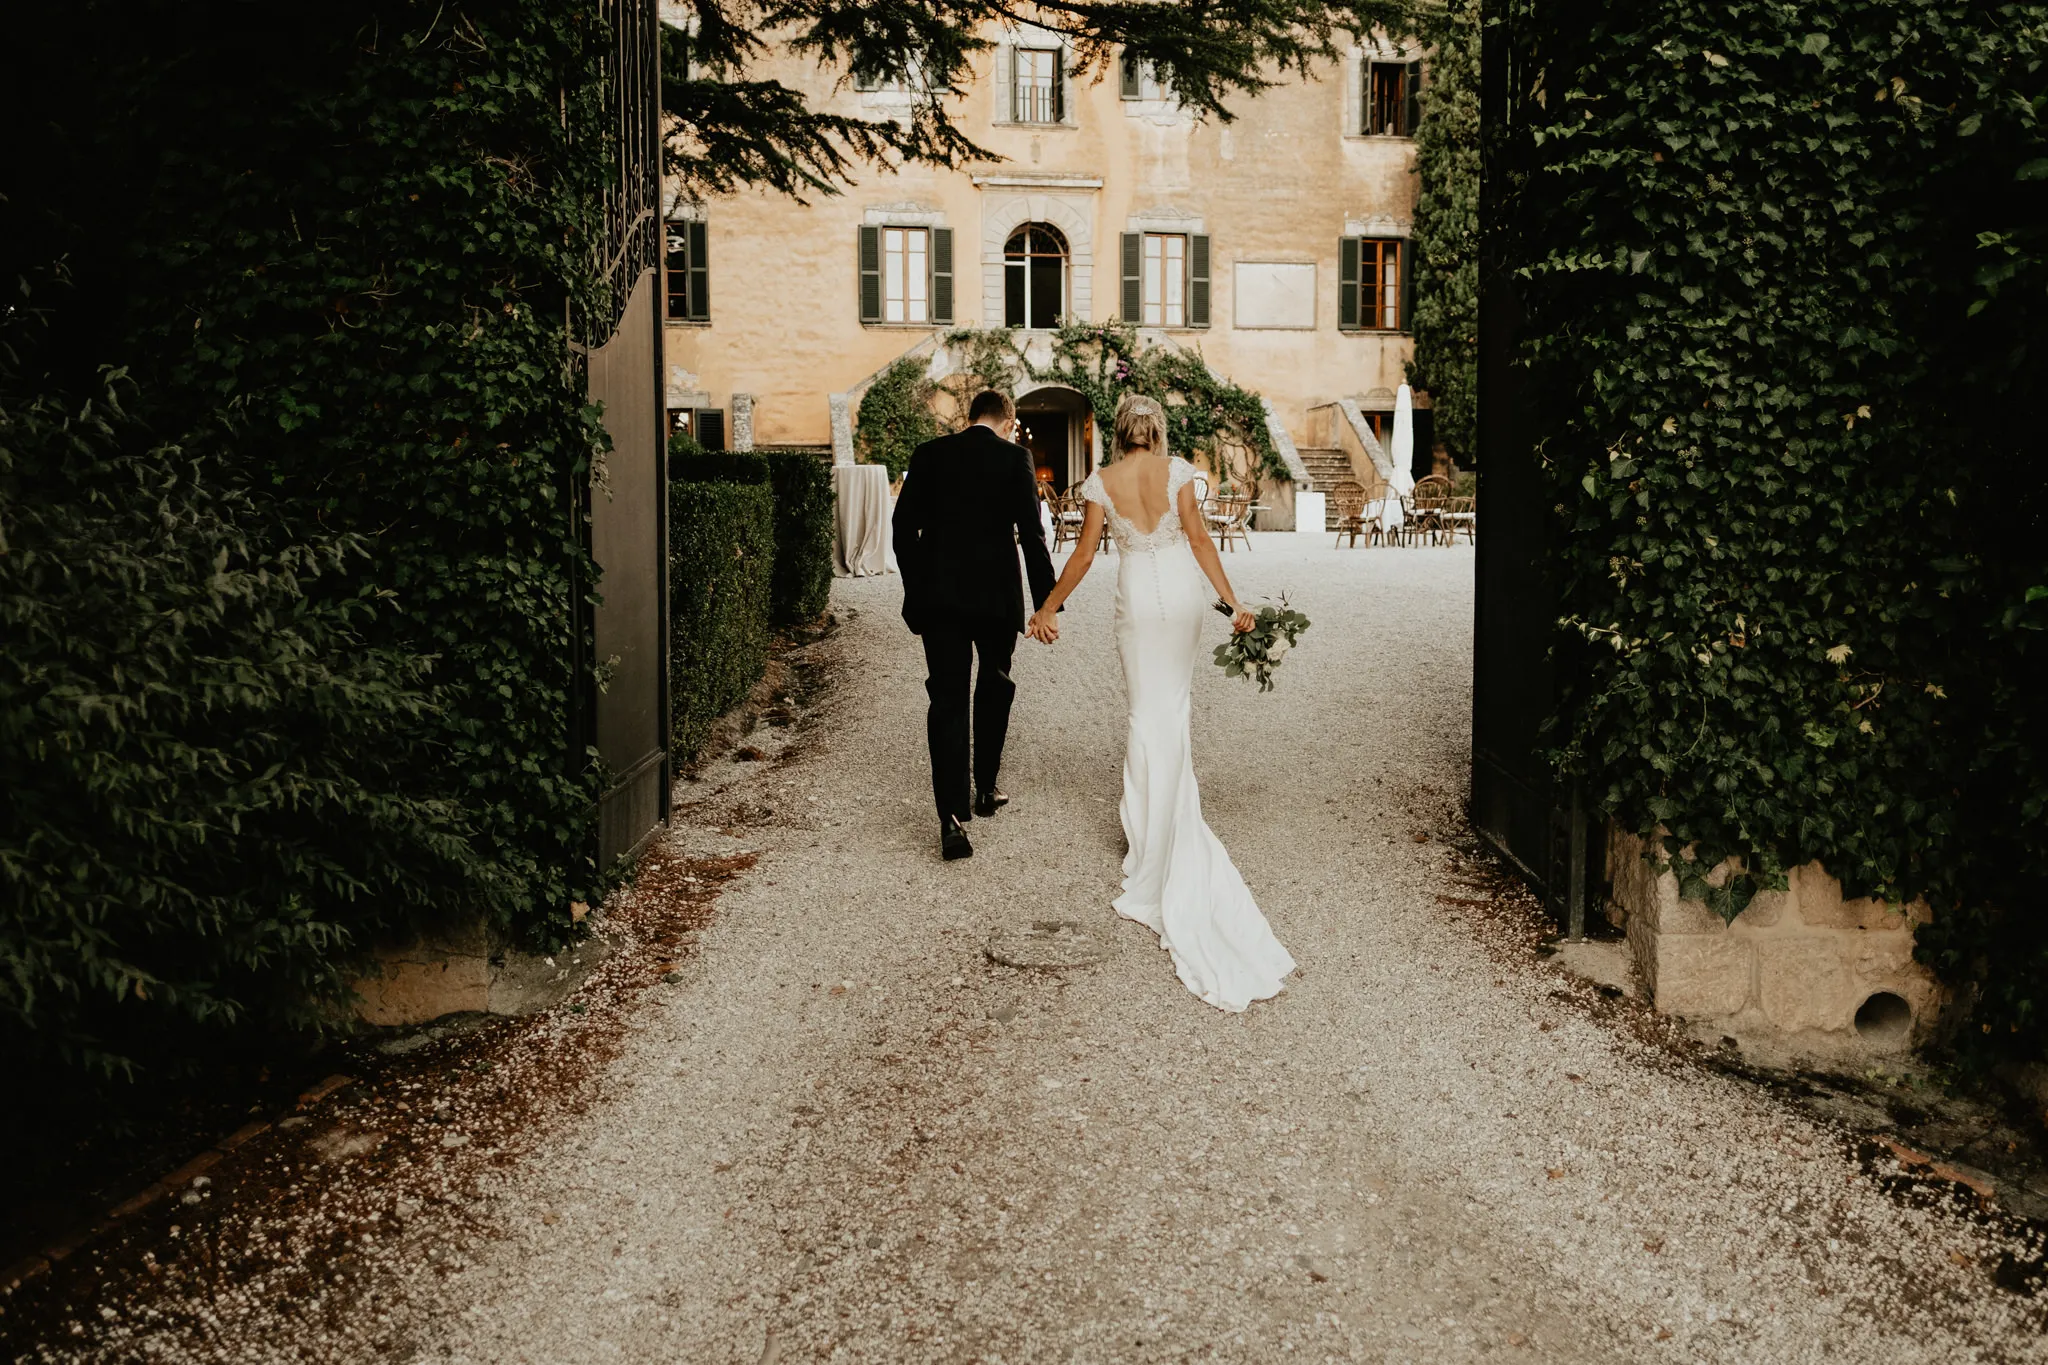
1327 467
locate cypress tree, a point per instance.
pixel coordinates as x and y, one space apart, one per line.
1447 226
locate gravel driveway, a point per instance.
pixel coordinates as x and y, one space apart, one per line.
846 1135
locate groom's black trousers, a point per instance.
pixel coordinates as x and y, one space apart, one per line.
948 654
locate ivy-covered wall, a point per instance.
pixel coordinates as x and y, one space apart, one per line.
1446 238
332 246
1786 341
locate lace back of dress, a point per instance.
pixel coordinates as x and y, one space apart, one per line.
1128 537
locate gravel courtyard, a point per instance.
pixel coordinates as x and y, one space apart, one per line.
845 1135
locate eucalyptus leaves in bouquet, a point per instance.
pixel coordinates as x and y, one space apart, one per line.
1255 653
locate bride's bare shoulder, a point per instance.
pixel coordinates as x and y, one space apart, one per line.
1131 470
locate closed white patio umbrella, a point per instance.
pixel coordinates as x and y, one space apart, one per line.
1401 453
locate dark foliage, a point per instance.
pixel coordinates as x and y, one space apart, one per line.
803 536
721 573
339 283
1785 372
1447 226
208 810
731 129
719 466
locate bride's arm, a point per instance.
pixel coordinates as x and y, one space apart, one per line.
1205 555
1045 623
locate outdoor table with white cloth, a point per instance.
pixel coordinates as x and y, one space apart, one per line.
862 521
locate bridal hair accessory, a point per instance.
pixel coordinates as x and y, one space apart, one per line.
1255 653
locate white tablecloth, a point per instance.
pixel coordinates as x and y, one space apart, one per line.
861 521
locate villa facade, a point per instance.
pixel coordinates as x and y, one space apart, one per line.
1276 244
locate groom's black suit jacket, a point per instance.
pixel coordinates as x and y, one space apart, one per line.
969 501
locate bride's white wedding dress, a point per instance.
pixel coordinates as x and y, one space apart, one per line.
1178 880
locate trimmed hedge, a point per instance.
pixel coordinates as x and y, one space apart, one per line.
803 535
694 464
721 570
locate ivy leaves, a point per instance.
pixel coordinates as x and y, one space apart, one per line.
1205 413
1784 325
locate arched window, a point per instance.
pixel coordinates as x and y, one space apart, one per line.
1034 277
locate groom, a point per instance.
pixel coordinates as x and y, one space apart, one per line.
969 501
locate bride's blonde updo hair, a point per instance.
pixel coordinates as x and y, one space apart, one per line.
1140 424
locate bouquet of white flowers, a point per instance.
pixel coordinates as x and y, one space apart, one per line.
1255 653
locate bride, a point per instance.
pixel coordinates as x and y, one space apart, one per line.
1178 881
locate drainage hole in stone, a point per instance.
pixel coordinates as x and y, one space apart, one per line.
1884 1018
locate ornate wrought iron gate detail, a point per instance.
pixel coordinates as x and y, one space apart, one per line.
1517 804
627 718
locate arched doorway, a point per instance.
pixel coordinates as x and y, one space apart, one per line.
1035 277
1056 425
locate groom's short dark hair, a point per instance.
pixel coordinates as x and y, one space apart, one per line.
992 403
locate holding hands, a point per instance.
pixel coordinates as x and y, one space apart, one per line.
1044 625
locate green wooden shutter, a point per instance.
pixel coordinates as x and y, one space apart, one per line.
870 274
1347 282
1198 280
1059 86
942 274
1130 77
1134 262
1407 250
700 273
1413 92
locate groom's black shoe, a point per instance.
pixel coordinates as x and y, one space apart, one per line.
953 841
989 802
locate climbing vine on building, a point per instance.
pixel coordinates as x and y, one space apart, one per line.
335 287
1207 417
1783 377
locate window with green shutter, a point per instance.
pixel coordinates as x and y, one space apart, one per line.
1392 106
906 275
1375 284
870 274
942 274
1198 281
1347 283
688 272
1133 295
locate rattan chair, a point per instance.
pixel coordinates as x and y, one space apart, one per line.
1069 511
1347 501
1228 518
1431 500
1461 518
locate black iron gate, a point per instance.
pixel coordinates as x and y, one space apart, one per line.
626 716
1518 806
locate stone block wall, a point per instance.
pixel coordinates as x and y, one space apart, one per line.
1805 967
461 971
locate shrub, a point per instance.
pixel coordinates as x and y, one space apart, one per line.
896 415
209 810
721 571
803 535
719 466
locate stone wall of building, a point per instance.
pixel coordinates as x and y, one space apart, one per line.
1274 191
1805 967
